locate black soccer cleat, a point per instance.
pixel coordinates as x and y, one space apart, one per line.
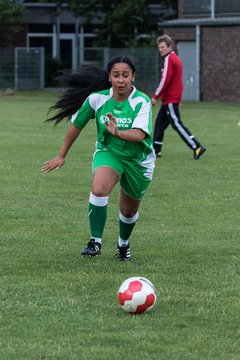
93 248
198 152
123 253
159 154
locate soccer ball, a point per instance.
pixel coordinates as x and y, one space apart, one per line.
137 295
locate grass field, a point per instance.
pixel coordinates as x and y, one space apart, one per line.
54 304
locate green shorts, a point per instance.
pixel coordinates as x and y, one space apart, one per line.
134 178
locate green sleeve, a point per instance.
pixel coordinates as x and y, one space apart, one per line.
83 115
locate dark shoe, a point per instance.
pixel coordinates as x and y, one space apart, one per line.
93 248
198 152
123 253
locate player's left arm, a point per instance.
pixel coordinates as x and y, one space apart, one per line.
143 118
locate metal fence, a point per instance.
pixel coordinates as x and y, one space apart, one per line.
22 68
146 61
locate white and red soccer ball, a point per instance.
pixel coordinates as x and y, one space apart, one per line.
137 295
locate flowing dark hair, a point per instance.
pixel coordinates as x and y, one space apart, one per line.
79 85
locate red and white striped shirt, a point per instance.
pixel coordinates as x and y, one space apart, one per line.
170 88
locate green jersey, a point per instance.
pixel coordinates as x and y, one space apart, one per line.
133 113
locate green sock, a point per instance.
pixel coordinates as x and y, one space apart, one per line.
97 215
126 226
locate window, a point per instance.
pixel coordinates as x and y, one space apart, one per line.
203 7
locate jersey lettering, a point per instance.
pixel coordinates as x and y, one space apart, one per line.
121 122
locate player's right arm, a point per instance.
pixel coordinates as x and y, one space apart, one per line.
59 160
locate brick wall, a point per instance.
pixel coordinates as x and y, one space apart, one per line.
181 33
220 69
219 63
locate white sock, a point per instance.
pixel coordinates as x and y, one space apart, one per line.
99 240
122 242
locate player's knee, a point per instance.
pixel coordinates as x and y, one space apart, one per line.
128 213
100 190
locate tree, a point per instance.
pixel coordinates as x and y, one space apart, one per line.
11 14
124 22
120 22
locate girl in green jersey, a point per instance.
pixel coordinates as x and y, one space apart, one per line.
124 151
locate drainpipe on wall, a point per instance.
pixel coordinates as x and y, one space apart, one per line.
198 54
212 9
77 42
58 31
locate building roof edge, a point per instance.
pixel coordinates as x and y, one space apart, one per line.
201 21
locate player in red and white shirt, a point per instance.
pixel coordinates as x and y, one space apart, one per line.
170 91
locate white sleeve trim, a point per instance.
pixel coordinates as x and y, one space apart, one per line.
163 78
142 119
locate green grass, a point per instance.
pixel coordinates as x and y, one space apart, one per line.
54 304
